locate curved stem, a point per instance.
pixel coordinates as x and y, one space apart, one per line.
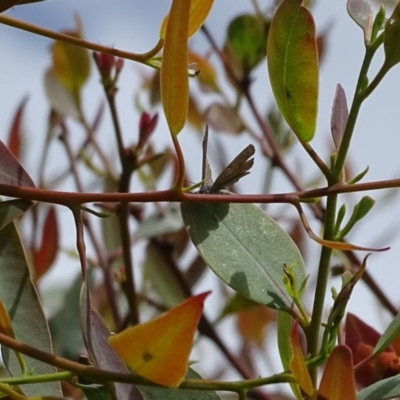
25 26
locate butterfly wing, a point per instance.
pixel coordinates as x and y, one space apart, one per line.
236 170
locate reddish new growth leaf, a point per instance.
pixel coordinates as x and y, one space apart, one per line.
15 132
337 382
362 339
45 255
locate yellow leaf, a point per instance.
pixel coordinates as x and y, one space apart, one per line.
207 75
71 64
159 350
297 364
174 75
199 10
5 322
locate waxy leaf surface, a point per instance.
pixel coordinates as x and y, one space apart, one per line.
11 171
245 248
383 390
159 350
21 300
292 57
160 393
174 68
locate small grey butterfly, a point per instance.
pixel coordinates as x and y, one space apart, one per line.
236 170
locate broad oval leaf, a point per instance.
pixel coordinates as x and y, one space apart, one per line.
160 393
71 63
247 40
292 57
361 12
246 248
223 118
12 209
383 390
28 321
174 75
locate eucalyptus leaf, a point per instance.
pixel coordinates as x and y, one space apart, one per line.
391 333
12 209
160 393
28 320
383 390
246 249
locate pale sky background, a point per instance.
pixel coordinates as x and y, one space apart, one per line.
133 25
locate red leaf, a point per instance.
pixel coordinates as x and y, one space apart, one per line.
15 132
45 255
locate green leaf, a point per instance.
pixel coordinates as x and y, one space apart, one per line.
385 389
285 346
361 209
391 333
68 318
292 57
161 222
245 248
160 393
22 302
12 209
361 13
161 277
247 40
391 42
71 63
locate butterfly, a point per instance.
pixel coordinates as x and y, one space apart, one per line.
236 170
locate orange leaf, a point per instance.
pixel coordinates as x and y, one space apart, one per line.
297 364
46 254
174 74
338 382
199 10
5 321
159 350
252 323
207 74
